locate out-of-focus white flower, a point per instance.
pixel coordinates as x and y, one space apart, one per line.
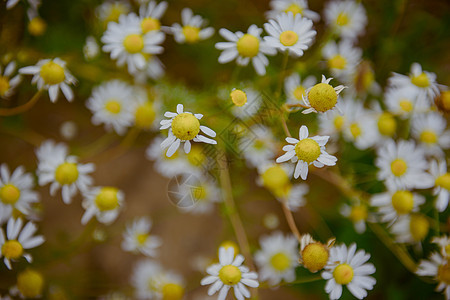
191 31
348 18
104 203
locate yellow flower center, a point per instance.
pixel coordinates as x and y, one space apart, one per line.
406 105
322 97
141 238
288 38
172 291
191 34
4 85
355 130
444 273
444 99
398 167
248 45
230 275
298 92
403 202
52 73
315 256
199 192
444 181
145 115
185 126
419 227
30 283
37 26
196 156
9 194
343 274
337 62
275 177
115 11
107 199
358 213
421 80
150 24
113 106
447 250
230 244
342 19
386 124
294 8
338 122
280 261
428 137
12 249
238 97
66 173
368 78
133 43
307 150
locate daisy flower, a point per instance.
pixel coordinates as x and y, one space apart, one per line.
51 74
151 14
17 240
345 267
358 214
137 238
429 130
294 6
438 170
322 97
145 110
191 31
307 151
8 84
245 47
16 190
111 104
360 128
257 145
129 44
402 166
291 33
403 102
314 255
110 11
154 69
348 18
277 258
410 229
102 202
423 83
246 102
230 273
342 59
184 127
295 88
60 169
30 284
437 267
444 243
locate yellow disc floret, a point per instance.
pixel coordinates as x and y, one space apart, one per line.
342 19
113 106
142 238
9 193
275 177
107 199
355 130
443 181
428 137
52 73
419 227
248 45
288 38
230 244
230 275
406 105
358 213
196 156
12 249
37 26
172 291
185 126
199 192
298 92
337 62
343 274
421 80
191 34
294 8
442 101
66 173
403 202
238 97
398 167
4 85
30 283
149 24
387 125
133 43
145 115
322 97
338 122
444 273
307 150
280 261
315 256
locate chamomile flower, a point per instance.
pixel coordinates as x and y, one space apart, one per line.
30 284
191 31
8 84
322 97
361 127
307 151
111 104
184 127
60 169
154 69
168 285
151 14
429 130
342 59
333 122
16 190
358 214
91 49
294 6
245 47
137 238
403 102
314 255
295 197
402 166
345 267
385 122
230 273
17 240
104 203
423 83
110 11
145 110
437 267
164 165
291 33
410 229
257 145
128 43
442 184
246 102
295 87
277 258
348 18
51 74
444 243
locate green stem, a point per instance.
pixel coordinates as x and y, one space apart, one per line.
22 108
